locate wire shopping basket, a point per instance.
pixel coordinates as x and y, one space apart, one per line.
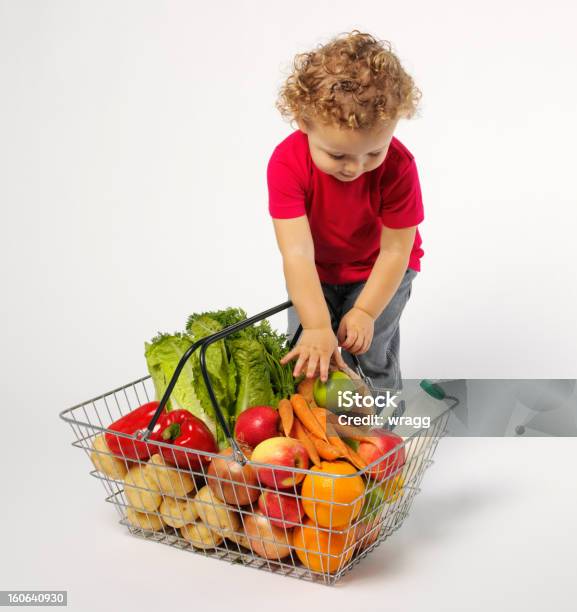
326 519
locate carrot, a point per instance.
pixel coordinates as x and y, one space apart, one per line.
338 443
348 431
346 452
303 436
336 447
320 414
307 418
305 388
286 414
356 459
325 449
369 440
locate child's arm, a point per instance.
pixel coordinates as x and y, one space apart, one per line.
356 328
318 342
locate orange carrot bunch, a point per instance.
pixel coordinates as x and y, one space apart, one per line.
305 421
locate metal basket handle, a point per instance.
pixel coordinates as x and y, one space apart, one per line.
223 333
144 433
237 452
203 344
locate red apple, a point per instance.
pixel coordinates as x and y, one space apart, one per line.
285 452
256 424
366 533
232 482
377 444
282 510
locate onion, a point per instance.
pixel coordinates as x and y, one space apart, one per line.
244 487
265 539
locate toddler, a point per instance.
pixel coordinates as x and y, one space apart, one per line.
345 200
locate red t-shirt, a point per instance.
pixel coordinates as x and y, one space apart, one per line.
345 217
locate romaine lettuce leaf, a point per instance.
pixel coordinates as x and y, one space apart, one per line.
162 355
221 374
254 386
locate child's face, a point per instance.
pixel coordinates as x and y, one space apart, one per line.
346 154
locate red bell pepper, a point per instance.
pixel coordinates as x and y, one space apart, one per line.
182 428
129 424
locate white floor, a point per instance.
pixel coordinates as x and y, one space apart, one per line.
493 529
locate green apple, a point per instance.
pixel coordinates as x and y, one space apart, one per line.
321 389
374 503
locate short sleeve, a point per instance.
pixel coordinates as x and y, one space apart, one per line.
286 194
401 200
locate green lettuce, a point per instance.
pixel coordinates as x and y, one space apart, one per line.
275 346
254 386
243 368
225 318
162 355
221 372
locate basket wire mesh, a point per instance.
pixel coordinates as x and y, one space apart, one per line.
211 505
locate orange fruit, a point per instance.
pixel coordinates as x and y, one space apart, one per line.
333 502
322 551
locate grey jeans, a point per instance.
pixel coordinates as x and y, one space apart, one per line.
381 361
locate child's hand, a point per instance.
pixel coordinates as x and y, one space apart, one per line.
356 330
315 349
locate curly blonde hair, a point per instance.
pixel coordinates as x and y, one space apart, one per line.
354 81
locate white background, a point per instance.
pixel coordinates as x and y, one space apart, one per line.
490 531
134 138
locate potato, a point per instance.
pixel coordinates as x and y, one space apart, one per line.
178 512
166 478
214 513
138 491
200 536
239 538
105 462
143 520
